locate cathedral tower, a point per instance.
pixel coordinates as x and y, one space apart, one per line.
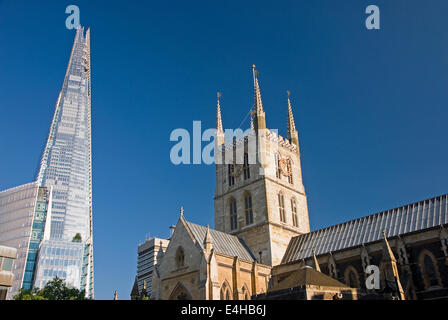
259 193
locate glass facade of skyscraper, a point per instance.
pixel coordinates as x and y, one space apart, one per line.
67 247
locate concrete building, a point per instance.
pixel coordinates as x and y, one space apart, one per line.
7 257
147 259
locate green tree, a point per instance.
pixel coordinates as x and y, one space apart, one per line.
33 294
77 238
55 289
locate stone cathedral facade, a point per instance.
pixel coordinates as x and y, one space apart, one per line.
262 247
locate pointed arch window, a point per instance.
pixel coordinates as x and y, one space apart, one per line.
351 277
246 169
246 294
180 292
180 257
248 208
281 207
233 214
230 175
295 218
430 272
225 293
277 166
289 168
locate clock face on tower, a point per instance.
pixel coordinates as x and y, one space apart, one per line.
285 167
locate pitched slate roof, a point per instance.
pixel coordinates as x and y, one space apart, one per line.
409 218
306 276
222 242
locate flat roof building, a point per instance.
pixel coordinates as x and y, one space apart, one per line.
7 257
147 258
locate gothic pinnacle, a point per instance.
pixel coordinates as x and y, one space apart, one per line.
258 104
219 127
292 132
259 116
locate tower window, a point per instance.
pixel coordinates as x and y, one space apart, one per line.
281 207
277 166
289 164
246 170
233 215
231 176
248 209
295 220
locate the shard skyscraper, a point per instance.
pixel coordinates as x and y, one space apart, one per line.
66 249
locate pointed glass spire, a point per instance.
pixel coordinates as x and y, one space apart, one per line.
66 169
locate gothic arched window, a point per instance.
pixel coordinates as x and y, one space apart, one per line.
246 168
246 294
180 257
277 166
281 207
233 214
248 209
225 293
180 292
430 272
231 177
289 168
351 277
295 218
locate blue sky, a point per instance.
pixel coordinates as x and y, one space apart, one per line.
370 106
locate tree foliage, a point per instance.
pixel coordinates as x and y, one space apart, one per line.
77 238
55 289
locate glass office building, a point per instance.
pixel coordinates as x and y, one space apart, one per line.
49 221
67 247
23 212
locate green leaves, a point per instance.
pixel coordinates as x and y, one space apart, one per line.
55 289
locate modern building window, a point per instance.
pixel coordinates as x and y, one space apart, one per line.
231 169
248 209
246 168
295 218
233 214
281 207
6 264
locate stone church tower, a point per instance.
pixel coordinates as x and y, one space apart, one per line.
259 193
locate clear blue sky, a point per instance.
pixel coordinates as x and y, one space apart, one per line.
370 106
